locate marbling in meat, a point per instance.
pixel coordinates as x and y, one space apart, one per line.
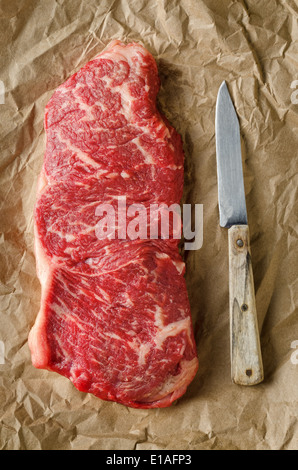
115 315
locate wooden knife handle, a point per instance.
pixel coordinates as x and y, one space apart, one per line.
246 358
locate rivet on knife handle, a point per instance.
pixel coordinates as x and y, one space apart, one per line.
246 359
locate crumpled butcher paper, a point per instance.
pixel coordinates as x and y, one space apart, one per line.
197 44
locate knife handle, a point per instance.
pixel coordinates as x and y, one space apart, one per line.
246 358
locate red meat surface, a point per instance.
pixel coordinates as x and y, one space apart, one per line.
114 316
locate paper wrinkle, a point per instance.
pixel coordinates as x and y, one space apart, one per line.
197 45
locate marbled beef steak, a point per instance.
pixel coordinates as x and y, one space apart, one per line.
114 315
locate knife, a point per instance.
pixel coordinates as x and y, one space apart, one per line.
245 349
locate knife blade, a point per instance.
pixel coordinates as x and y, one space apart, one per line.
245 349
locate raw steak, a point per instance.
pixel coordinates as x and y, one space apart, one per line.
114 316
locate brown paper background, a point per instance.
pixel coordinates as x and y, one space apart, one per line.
197 44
